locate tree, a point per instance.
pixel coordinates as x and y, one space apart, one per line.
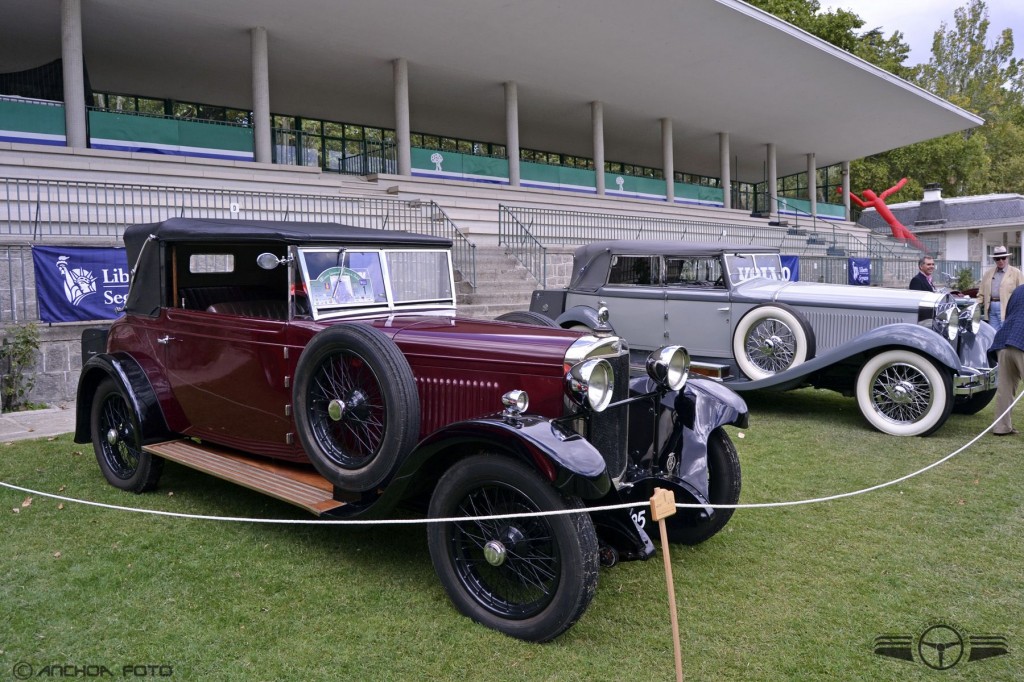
966 71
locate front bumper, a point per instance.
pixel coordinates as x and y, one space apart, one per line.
971 380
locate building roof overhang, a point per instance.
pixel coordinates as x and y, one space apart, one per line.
709 66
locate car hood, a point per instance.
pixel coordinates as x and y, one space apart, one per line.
835 295
465 341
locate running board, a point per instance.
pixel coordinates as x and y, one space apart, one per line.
287 482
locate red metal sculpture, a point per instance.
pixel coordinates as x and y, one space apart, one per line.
877 202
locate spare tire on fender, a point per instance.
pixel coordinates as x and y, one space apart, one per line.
357 411
771 338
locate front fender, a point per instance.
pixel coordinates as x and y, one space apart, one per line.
974 347
564 457
585 315
135 385
899 335
681 429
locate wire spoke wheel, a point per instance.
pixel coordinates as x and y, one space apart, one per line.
771 346
117 441
528 577
511 566
903 393
348 415
770 339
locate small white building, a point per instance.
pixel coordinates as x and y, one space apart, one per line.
959 228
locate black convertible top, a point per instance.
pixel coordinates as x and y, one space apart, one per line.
236 230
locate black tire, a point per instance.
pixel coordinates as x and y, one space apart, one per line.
549 564
356 407
770 339
975 403
724 483
527 317
117 441
902 393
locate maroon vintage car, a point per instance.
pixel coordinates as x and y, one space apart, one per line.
325 365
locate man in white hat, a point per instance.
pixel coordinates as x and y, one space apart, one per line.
997 284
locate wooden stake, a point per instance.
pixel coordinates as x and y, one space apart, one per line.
663 505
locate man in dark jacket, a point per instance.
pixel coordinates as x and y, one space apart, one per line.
922 281
1009 341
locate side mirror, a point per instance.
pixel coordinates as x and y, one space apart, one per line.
268 261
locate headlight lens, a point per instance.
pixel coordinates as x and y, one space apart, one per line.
590 383
669 366
970 318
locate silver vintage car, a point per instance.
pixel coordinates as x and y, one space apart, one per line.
909 357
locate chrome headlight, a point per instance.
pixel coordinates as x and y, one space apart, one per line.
947 320
669 367
515 402
590 383
970 318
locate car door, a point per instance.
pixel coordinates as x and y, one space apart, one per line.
698 310
635 299
229 374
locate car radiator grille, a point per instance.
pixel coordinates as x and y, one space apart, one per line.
609 429
444 401
835 329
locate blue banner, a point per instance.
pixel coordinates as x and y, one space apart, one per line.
791 268
860 271
77 283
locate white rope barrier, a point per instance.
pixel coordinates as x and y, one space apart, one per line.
463 519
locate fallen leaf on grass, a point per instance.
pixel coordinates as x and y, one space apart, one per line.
170 494
62 488
51 439
60 506
56 555
27 502
15 510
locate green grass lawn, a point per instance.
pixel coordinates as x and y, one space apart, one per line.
781 594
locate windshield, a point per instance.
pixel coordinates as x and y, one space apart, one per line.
339 279
749 266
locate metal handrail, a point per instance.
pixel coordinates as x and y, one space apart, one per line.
522 244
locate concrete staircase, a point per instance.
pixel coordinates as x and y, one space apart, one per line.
503 285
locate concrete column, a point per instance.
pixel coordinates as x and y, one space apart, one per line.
773 181
846 189
512 132
402 137
667 161
725 174
597 124
74 82
812 184
260 95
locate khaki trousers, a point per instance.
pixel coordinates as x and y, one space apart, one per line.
1011 369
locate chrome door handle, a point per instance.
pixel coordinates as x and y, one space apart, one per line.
723 310
165 339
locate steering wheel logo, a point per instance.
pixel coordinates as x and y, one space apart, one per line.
940 647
